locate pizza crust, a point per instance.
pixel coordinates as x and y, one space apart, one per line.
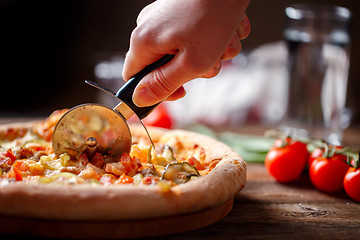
121 202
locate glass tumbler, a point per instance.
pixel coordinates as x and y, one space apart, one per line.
318 40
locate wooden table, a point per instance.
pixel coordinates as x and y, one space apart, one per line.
266 209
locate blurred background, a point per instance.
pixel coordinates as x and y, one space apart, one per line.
48 49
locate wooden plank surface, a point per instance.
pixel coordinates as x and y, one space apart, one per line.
266 209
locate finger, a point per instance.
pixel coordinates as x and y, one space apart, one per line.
214 70
139 54
233 48
135 62
179 93
166 80
244 28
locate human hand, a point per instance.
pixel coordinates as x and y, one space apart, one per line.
200 33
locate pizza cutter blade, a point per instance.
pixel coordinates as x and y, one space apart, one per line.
91 128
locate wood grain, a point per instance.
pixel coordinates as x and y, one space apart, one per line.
265 209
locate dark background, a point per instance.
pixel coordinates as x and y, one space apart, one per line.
48 48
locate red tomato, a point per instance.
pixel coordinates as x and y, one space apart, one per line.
7 157
327 173
160 117
98 160
318 152
286 163
352 183
14 173
20 165
125 179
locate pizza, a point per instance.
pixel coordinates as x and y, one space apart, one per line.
185 173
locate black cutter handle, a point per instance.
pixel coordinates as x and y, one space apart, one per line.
125 93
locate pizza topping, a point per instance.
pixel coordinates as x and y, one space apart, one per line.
45 129
91 172
7 158
15 174
180 172
164 158
97 160
150 170
29 158
62 178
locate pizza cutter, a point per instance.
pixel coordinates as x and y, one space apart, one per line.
91 128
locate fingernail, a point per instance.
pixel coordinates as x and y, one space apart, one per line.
143 96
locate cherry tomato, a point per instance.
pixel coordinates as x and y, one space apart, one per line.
327 173
352 183
286 161
318 152
160 117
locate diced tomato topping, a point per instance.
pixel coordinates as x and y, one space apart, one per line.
98 160
20 164
29 167
213 164
115 168
141 154
83 159
7 157
12 133
46 128
196 163
49 150
14 173
36 147
126 161
107 178
148 180
125 179
6 162
91 172
9 154
127 165
202 154
196 146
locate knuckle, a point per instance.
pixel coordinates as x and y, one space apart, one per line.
139 36
160 84
232 51
213 72
143 14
